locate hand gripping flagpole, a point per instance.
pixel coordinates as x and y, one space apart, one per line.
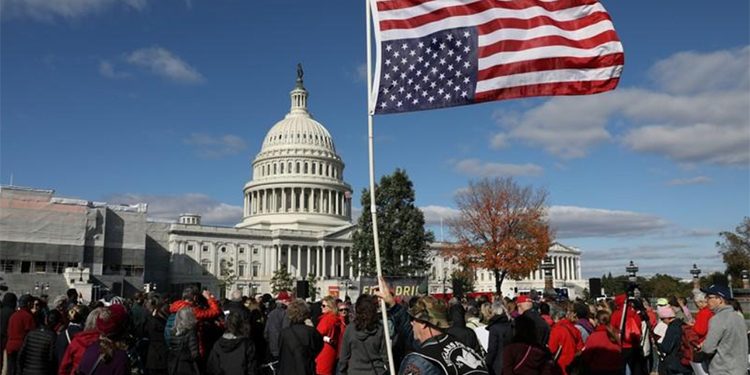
373 205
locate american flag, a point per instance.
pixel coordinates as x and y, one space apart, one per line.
443 53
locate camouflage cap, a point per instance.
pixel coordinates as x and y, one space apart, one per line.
430 310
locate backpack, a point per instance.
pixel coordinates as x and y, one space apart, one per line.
688 346
168 327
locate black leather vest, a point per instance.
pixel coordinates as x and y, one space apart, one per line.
451 356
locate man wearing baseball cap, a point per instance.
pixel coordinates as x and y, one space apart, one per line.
727 334
526 307
436 351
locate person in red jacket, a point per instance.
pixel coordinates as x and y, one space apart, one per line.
330 327
701 326
565 341
202 314
77 347
631 340
602 355
19 325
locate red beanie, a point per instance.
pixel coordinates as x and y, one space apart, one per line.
118 316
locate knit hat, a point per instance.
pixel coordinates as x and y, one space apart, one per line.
665 312
430 310
115 323
283 296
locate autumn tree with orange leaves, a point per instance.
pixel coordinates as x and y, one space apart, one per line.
501 227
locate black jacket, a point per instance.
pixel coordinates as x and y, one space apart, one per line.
183 354
64 338
459 330
670 348
37 355
363 352
276 322
501 333
299 344
156 356
542 328
232 355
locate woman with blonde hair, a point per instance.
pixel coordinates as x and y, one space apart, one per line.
331 329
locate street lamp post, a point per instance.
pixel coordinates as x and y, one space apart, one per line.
549 286
696 272
745 279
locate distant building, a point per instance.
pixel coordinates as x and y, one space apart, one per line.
297 215
49 244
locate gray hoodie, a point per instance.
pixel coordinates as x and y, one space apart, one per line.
727 337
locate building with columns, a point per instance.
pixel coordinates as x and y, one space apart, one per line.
297 214
566 274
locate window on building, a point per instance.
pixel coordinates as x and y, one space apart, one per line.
205 249
40 267
190 248
242 250
7 266
137 271
223 249
241 270
206 267
255 270
128 269
57 267
255 251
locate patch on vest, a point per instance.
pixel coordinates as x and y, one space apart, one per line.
459 355
412 369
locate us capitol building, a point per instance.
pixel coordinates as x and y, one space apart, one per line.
297 214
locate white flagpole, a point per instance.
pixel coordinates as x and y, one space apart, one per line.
373 206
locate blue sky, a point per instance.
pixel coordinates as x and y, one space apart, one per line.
166 102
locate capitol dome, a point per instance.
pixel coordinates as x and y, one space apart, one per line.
297 177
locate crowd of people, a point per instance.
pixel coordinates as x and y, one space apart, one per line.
529 334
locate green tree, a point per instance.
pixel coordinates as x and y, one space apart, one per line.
404 242
734 248
312 286
665 286
227 277
465 277
281 280
501 227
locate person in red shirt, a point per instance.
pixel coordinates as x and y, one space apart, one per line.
701 325
19 325
631 340
565 341
330 327
602 355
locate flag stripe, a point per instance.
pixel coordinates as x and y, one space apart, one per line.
549 76
513 28
509 45
464 16
547 89
547 51
551 64
384 6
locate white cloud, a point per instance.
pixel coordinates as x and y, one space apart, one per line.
475 168
164 63
668 258
697 114
713 71
211 147
48 10
169 207
106 69
576 222
434 214
697 180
